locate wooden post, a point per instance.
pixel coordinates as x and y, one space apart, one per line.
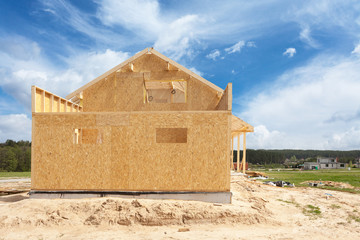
244 153
232 153
33 99
238 154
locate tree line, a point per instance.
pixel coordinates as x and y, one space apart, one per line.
15 156
265 157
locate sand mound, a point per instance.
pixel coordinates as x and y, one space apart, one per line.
114 211
258 211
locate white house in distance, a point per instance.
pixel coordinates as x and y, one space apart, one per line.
324 163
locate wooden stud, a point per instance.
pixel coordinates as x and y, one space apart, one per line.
238 154
51 103
59 105
33 99
43 101
232 153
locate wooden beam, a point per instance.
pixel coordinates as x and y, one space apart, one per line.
244 153
132 67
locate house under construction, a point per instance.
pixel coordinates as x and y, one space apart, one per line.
146 128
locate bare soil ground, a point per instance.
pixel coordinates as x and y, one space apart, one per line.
258 211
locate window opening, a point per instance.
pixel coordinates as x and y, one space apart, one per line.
172 91
171 135
87 136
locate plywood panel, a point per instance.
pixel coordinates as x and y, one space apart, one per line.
149 63
124 91
100 97
225 102
129 157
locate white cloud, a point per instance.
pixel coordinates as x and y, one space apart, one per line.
250 44
173 35
214 54
82 22
233 71
290 52
15 127
177 38
135 15
302 104
194 70
19 72
356 50
349 139
236 47
262 138
305 35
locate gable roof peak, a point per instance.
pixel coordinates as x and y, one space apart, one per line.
148 50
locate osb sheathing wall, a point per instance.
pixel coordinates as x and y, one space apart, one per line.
123 90
128 157
225 102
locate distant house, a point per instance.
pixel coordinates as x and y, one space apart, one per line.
324 163
357 163
311 166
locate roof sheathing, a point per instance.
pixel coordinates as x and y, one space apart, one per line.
137 55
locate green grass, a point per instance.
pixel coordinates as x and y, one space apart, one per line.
337 175
334 206
15 174
354 218
312 211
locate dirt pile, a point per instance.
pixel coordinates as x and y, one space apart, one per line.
113 211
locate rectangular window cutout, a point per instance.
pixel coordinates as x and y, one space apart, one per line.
172 91
171 135
87 136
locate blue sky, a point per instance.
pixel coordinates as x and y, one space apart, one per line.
294 65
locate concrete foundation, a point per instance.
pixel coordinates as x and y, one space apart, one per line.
213 197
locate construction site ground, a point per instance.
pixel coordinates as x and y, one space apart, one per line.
258 211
